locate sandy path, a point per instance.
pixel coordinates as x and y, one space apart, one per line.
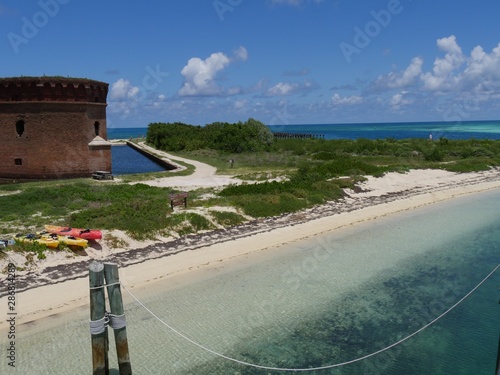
204 176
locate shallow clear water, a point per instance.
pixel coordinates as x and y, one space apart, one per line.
318 302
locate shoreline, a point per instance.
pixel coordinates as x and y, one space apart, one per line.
61 288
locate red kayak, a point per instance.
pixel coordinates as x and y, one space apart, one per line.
88 234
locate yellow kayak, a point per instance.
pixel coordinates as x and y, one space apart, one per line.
75 241
37 238
66 240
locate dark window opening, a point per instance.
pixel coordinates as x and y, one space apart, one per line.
97 127
96 99
20 127
18 161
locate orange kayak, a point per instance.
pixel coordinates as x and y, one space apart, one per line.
87 234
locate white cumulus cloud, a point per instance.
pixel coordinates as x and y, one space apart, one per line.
200 76
453 73
442 77
402 79
123 90
481 63
399 100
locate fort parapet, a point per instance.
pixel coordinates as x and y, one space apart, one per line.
53 127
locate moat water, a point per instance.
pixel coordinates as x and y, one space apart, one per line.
126 160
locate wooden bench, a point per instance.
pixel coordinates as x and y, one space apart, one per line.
178 199
102 175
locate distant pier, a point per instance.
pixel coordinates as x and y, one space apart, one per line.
281 135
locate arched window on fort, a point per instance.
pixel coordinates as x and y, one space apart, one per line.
97 127
20 127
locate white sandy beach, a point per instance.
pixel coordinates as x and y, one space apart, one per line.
414 189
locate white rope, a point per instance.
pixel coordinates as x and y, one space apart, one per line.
108 320
103 286
117 321
99 326
313 368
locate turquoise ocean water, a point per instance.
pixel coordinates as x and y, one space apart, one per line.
317 302
450 130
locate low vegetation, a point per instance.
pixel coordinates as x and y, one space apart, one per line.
293 174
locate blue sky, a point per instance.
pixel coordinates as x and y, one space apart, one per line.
278 61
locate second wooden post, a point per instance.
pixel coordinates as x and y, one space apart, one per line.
99 333
117 317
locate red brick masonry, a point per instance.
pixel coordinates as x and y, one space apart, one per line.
52 127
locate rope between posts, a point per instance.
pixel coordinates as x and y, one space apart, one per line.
313 368
103 286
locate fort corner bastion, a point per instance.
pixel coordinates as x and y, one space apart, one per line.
53 127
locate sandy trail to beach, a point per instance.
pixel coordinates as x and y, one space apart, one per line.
61 284
204 175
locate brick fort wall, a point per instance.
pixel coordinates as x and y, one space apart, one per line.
53 127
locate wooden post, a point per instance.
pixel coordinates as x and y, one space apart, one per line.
116 307
100 364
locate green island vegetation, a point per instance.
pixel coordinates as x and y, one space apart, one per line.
281 176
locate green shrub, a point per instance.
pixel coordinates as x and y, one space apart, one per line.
269 205
468 165
226 218
434 154
187 222
251 135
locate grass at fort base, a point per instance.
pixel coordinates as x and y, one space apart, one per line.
307 172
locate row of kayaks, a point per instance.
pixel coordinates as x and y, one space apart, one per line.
50 239
87 234
53 236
